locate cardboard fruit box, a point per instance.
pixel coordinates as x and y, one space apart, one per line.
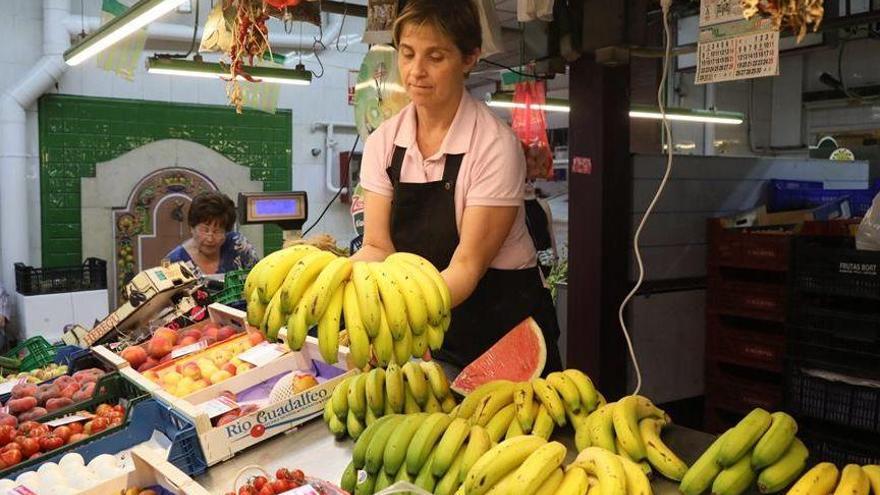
150 470
274 407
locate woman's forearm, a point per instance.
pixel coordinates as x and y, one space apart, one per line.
462 280
369 252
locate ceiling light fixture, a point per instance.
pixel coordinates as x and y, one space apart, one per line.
694 115
505 100
191 68
139 15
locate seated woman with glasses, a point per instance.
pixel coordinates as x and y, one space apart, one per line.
214 246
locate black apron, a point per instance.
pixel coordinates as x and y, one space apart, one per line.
423 222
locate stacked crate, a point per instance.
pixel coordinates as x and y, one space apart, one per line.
832 378
745 321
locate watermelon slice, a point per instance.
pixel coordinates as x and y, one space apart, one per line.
518 356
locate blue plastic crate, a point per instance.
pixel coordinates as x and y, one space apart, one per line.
787 195
146 416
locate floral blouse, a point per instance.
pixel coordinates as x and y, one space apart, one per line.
236 253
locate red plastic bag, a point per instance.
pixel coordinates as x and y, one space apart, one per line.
530 126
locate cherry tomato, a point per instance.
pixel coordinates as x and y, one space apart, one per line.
259 482
282 474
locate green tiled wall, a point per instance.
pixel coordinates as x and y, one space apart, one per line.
77 132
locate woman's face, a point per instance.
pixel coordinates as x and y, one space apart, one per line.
432 67
209 237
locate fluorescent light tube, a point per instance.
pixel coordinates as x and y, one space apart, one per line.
688 115
190 68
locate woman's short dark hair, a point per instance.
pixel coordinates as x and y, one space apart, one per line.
212 207
457 19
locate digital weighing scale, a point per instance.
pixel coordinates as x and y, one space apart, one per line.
286 209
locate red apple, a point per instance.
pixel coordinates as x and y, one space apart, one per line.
225 332
135 355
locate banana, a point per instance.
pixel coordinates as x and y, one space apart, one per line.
626 427
646 409
586 389
552 483
820 480
413 298
500 461
492 404
529 476
575 482
636 481
433 405
392 300
449 445
436 335
450 481
368 296
383 344
326 285
420 345
424 440
359 453
256 310
357 396
410 406
328 328
403 348
298 327
430 292
775 441
602 428
359 344
250 283
340 398
872 471
337 427
398 442
383 481
354 425
446 321
785 470
582 436
366 485
497 426
473 400
301 276
743 437
606 467
349 478
394 388
513 430
448 405
525 410
478 443
424 479
291 276
404 476
375 453
436 378
370 417
416 381
277 266
275 319
853 481
661 457
374 390
700 475
578 421
544 424
735 479
431 271
550 400
567 390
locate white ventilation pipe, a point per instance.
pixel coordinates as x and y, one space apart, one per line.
183 34
330 144
14 224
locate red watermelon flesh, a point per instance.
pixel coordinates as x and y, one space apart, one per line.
518 356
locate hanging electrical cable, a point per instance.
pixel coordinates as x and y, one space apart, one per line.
667 140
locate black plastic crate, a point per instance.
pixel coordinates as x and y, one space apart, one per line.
839 446
91 275
838 402
833 266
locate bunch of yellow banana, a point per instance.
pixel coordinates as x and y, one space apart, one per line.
359 401
853 480
600 471
761 448
392 310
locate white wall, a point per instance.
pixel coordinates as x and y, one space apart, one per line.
325 99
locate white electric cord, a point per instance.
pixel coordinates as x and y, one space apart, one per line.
667 138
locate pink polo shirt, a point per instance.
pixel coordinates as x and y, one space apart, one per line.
492 173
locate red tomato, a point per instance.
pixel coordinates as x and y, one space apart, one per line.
11 446
7 434
29 446
298 476
76 437
280 486
282 474
247 490
75 428
33 429
103 409
11 457
63 432
50 442
119 408
259 482
99 424
267 490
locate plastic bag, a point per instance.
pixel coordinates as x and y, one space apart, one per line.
403 487
530 127
868 235
493 42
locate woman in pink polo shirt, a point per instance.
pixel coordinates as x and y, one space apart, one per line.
445 179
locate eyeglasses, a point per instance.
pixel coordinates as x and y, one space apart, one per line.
207 231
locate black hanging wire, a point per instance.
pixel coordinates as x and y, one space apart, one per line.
511 69
338 191
192 44
342 26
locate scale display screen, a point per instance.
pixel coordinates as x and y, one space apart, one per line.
281 208
273 207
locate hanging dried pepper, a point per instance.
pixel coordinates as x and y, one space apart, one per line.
250 43
797 15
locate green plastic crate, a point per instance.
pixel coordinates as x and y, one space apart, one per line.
33 353
233 287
